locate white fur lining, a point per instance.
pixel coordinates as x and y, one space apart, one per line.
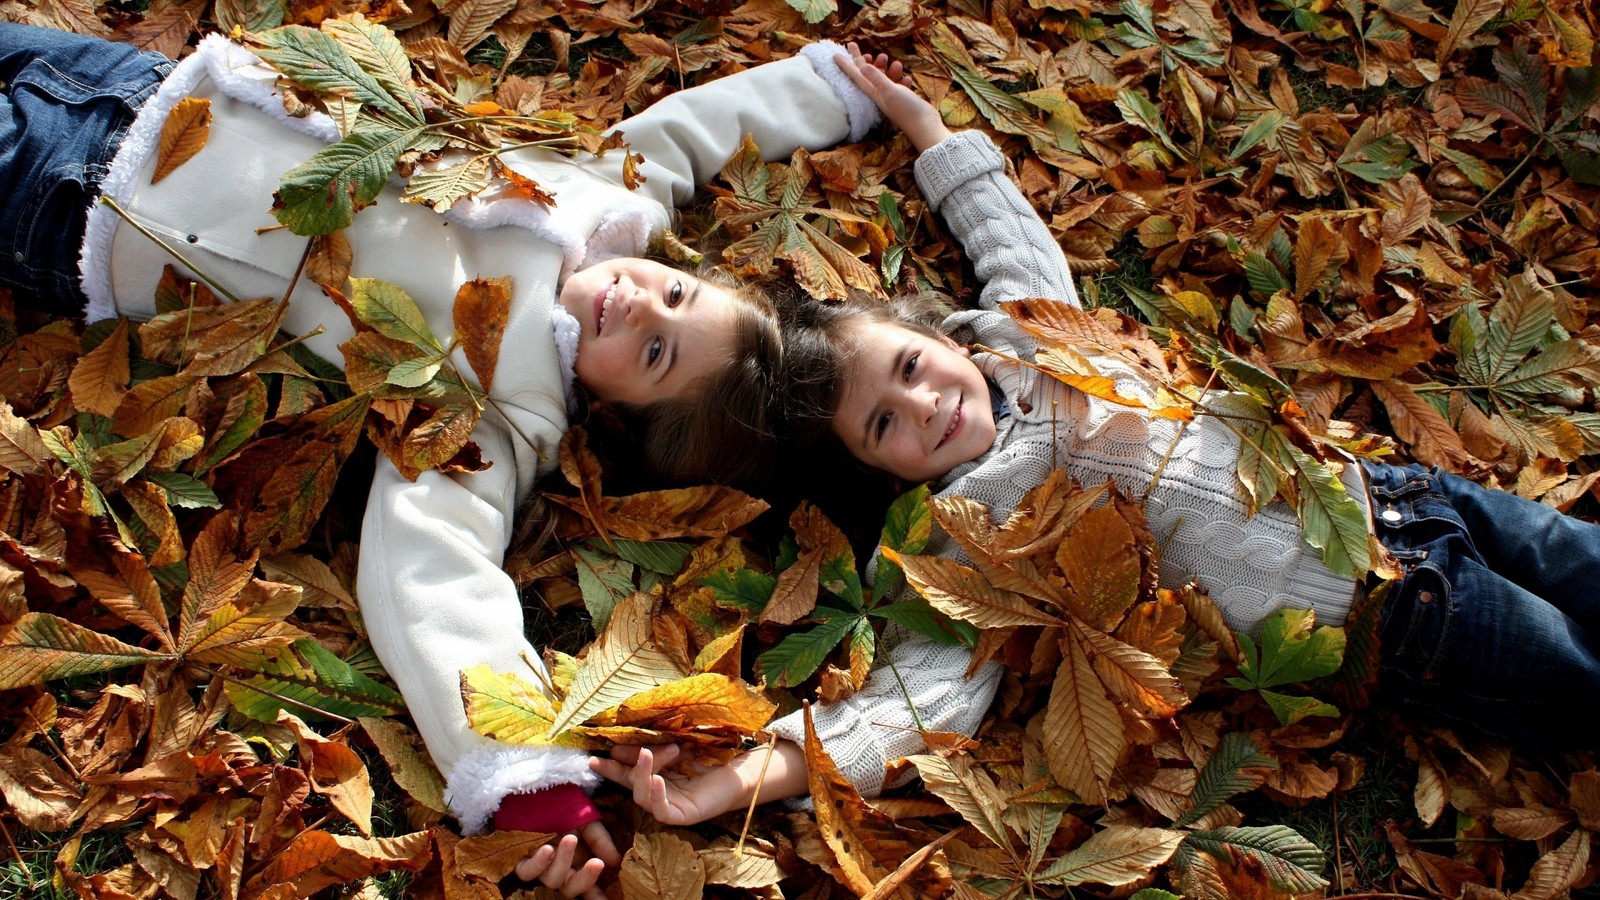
488 775
862 112
568 331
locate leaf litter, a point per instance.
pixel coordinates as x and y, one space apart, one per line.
1376 221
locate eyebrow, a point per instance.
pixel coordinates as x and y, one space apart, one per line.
672 355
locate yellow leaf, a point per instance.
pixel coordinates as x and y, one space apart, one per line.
511 709
620 664
182 135
706 700
969 791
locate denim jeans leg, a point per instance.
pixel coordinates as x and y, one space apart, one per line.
1467 642
65 103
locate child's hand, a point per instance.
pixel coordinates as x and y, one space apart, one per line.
886 84
676 799
551 865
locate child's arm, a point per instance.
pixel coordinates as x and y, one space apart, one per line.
963 177
687 137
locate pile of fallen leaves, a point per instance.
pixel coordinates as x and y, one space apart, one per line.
1378 219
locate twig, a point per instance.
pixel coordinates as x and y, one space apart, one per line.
1338 850
301 267
60 753
1476 207
107 201
273 694
21 864
761 778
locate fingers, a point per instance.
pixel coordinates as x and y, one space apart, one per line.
600 843
551 865
665 754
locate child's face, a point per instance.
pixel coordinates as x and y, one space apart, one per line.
650 331
914 406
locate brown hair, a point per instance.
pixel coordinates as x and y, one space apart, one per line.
720 431
818 348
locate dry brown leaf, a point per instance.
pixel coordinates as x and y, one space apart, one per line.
481 309
1083 733
662 866
335 771
866 845
331 260
493 856
795 594
183 134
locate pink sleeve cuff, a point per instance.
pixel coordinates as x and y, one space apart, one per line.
554 810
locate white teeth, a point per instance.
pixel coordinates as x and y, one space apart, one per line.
605 305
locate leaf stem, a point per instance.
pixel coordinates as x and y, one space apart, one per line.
210 282
21 865
761 778
1478 207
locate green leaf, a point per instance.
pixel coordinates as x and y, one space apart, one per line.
797 656
661 557
744 589
1265 126
184 491
1005 112
1138 110
322 194
815 11
316 678
840 578
1155 894
40 647
414 373
906 530
1330 519
604 580
1517 324
1292 863
918 615
1292 652
1223 776
1290 710
380 55
320 62
391 312
442 188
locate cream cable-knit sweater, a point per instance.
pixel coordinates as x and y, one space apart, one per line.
1252 565
432 593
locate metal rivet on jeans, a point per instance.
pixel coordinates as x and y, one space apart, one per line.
19 256
1391 516
1425 597
193 239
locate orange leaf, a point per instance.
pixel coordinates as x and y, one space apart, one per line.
183 135
336 772
795 594
662 866
100 378
493 856
317 859
481 309
330 260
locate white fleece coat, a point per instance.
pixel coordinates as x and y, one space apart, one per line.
431 589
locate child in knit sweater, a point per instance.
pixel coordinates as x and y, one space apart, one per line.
1494 623
80 119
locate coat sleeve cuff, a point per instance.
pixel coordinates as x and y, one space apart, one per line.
859 108
482 779
554 810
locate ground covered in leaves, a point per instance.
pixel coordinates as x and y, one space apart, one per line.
1377 218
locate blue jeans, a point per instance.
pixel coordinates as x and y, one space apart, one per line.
65 103
1495 623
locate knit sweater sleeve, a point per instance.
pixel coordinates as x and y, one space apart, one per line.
1015 256
880 723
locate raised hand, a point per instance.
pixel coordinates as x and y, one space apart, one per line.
888 86
552 864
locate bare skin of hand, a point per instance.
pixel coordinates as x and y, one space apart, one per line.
888 86
552 864
673 798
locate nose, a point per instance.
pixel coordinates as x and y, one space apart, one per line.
922 404
640 306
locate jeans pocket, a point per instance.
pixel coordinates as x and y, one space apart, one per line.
1416 623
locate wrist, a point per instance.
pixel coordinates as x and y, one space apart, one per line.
784 775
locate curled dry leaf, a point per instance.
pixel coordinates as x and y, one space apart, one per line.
185 132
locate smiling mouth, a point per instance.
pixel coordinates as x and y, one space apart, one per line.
955 424
602 303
